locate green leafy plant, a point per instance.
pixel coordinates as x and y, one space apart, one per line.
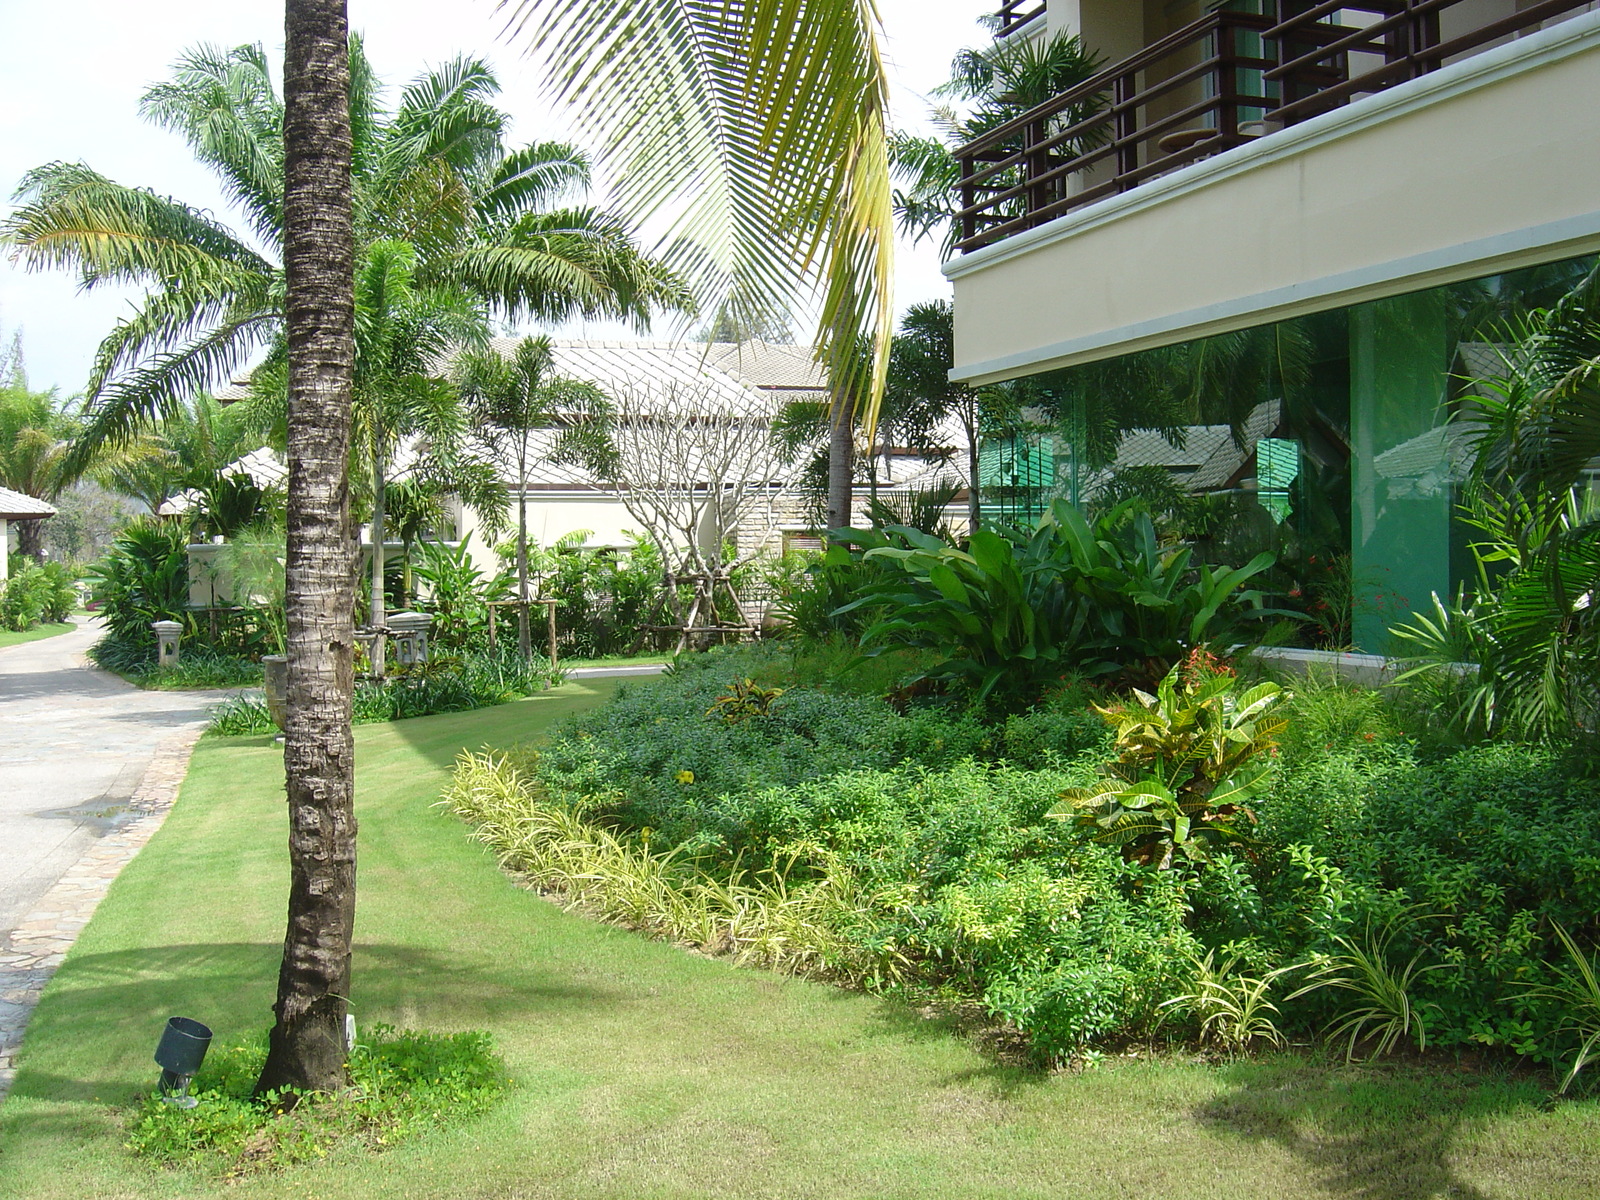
1384 1011
144 577
1190 758
744 699
1016 608
402 1083
458 593
1577 999
1233 1010
37 593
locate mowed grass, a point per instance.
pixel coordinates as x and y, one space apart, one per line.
9 637
645 1071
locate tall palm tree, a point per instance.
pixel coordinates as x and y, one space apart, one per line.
306 1049
761 126
993 84
526 415
435 172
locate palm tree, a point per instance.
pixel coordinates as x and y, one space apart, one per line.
306 1049
996 84
761 125
920 386
526 415
189 447
435 173
34 430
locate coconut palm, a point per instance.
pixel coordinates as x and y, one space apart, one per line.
759 130
306 1049
435 172
526 415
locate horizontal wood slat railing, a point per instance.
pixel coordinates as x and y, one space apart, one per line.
1014 14
1105 135
1215 84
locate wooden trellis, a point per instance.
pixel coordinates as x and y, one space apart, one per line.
700 623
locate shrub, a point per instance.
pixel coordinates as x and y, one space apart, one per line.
198 666
1190 759
444 684
1016 609
143 578
402 1083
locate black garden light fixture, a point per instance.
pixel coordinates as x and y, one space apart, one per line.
179 1054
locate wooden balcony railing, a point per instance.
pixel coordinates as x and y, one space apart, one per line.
1180 99
1220 82
1014 14
1331 53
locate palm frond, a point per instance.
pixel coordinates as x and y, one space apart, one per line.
73 218
760 126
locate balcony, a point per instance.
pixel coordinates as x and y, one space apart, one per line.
1016 15
1218 83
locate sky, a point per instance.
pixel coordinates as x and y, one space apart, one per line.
71 74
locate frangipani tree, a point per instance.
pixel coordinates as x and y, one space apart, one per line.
701 466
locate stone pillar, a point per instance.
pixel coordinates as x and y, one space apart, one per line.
167 634
410 631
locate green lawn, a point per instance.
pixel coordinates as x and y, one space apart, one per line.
54 629
618 660
644 1071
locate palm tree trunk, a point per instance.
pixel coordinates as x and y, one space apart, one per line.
307 1046
30 540
524 633
974 499
377 617
841 470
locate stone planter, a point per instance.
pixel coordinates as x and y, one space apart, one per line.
275 683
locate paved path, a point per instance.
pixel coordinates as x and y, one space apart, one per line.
88 767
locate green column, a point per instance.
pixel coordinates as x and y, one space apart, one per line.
1401 470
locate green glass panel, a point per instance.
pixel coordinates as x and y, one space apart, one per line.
1403 468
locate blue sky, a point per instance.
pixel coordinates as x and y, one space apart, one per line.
71 75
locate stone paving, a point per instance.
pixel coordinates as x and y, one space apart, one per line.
31 952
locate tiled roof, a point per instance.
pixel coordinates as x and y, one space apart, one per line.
17 506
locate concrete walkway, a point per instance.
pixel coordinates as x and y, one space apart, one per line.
88 766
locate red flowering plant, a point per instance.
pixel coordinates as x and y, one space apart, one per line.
1190 758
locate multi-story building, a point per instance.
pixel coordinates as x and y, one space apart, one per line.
1343 198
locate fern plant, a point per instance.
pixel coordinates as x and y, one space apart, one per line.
1190 758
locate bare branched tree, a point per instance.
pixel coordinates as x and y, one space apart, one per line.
697 464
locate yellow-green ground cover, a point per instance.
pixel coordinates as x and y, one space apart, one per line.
644 1071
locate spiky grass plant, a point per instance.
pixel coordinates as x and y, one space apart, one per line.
1234 1011
1384 1011
1578 998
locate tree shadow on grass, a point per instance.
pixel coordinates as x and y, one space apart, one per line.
1374 1132
93 1036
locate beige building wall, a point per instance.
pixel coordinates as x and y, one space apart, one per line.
1487 165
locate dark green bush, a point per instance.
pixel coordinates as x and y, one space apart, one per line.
199 666
143 578
37 593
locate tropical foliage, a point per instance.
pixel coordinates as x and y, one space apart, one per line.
1531 633
1017 610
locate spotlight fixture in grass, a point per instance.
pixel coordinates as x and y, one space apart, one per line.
179 1054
